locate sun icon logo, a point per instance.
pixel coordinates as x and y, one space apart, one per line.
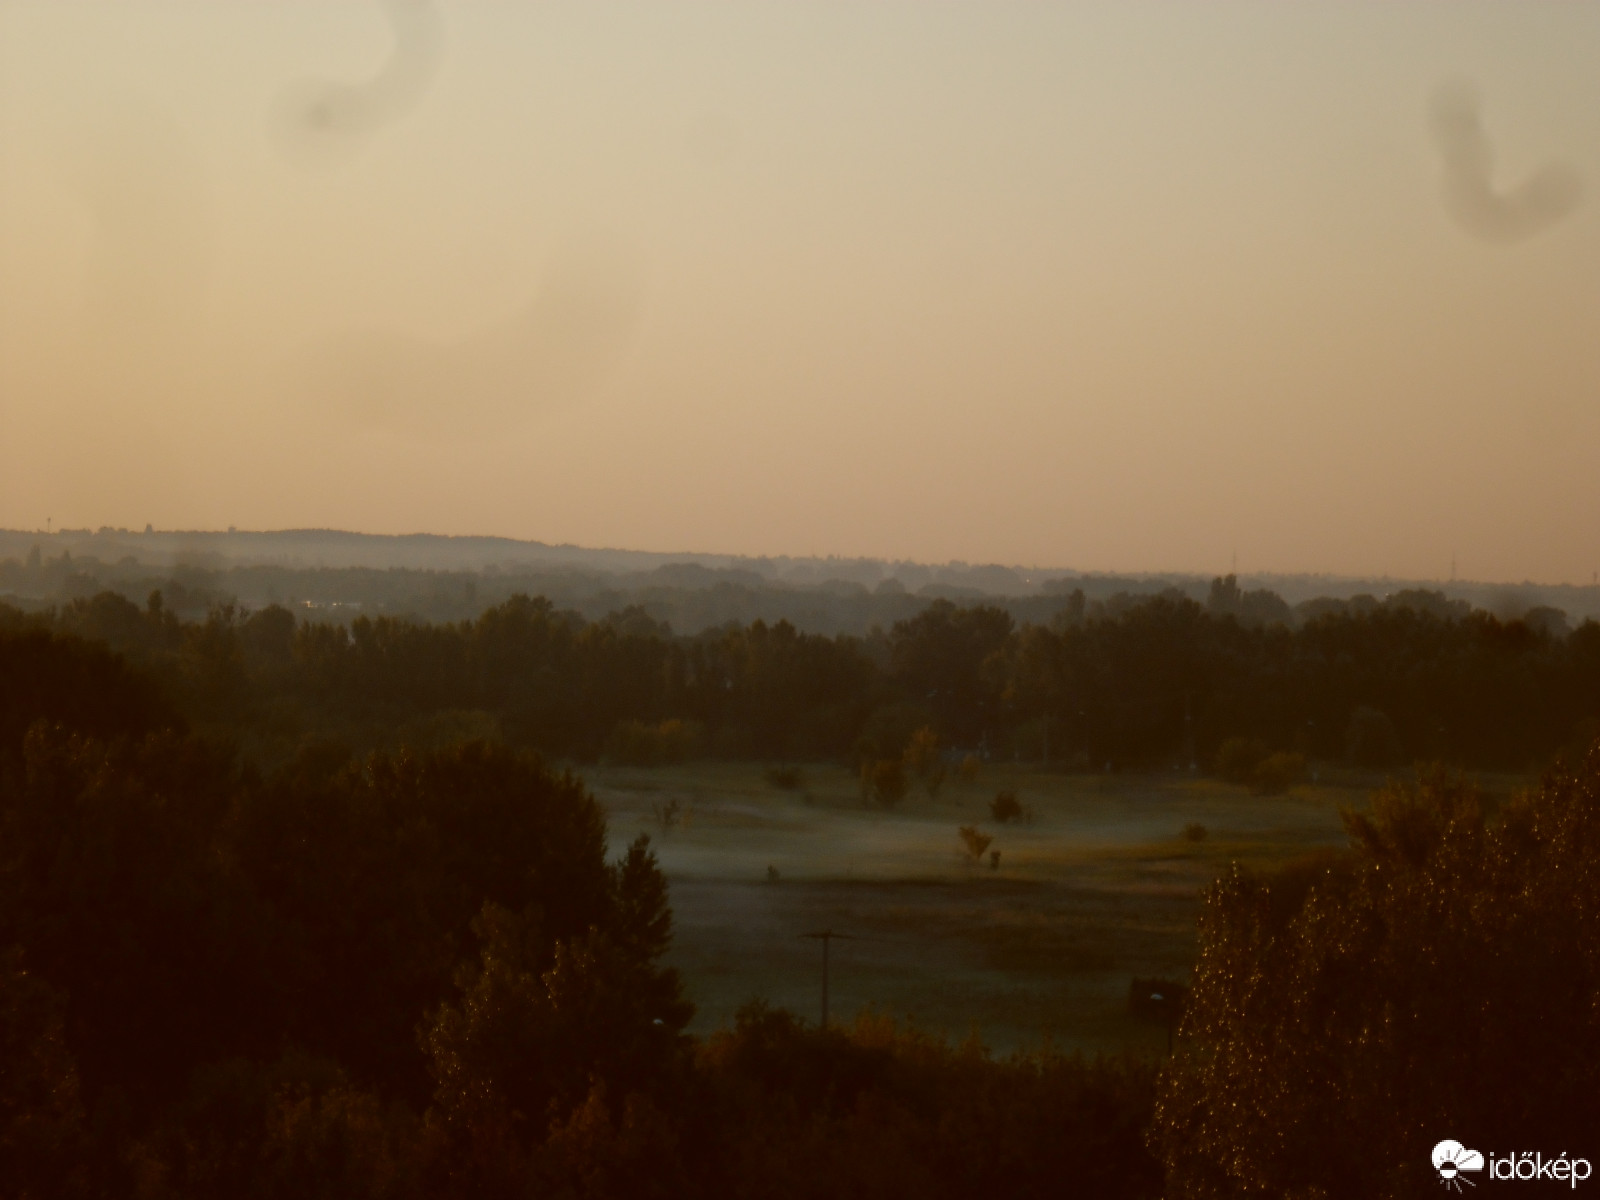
1450 1159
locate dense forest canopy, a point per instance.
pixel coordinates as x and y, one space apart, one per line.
1437 980
1145 681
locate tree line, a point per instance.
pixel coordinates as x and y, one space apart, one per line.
1154 681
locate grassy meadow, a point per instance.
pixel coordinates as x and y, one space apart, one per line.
1098 884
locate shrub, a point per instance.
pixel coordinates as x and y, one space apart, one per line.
973 842
785 779
1006 807
1277 773
879 1109
1347 1004
1248 761
883 781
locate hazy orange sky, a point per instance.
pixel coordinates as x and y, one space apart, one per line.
1114 287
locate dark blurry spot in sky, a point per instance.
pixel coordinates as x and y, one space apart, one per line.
1542 200
573 333
321 122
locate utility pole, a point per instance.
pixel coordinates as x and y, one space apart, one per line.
826 936
1188 728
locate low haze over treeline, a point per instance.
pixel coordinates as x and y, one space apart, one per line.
337 576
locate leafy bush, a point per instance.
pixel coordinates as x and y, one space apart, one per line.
1249 762
785 779
1006 807
884 781
875 1109
922 761
1441 975
1277 773
974 843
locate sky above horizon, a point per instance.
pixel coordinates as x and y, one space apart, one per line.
1308 288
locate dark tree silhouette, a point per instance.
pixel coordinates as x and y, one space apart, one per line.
1348 1013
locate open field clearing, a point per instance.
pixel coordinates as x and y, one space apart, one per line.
1098 885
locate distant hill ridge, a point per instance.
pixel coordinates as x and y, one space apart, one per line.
330 568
